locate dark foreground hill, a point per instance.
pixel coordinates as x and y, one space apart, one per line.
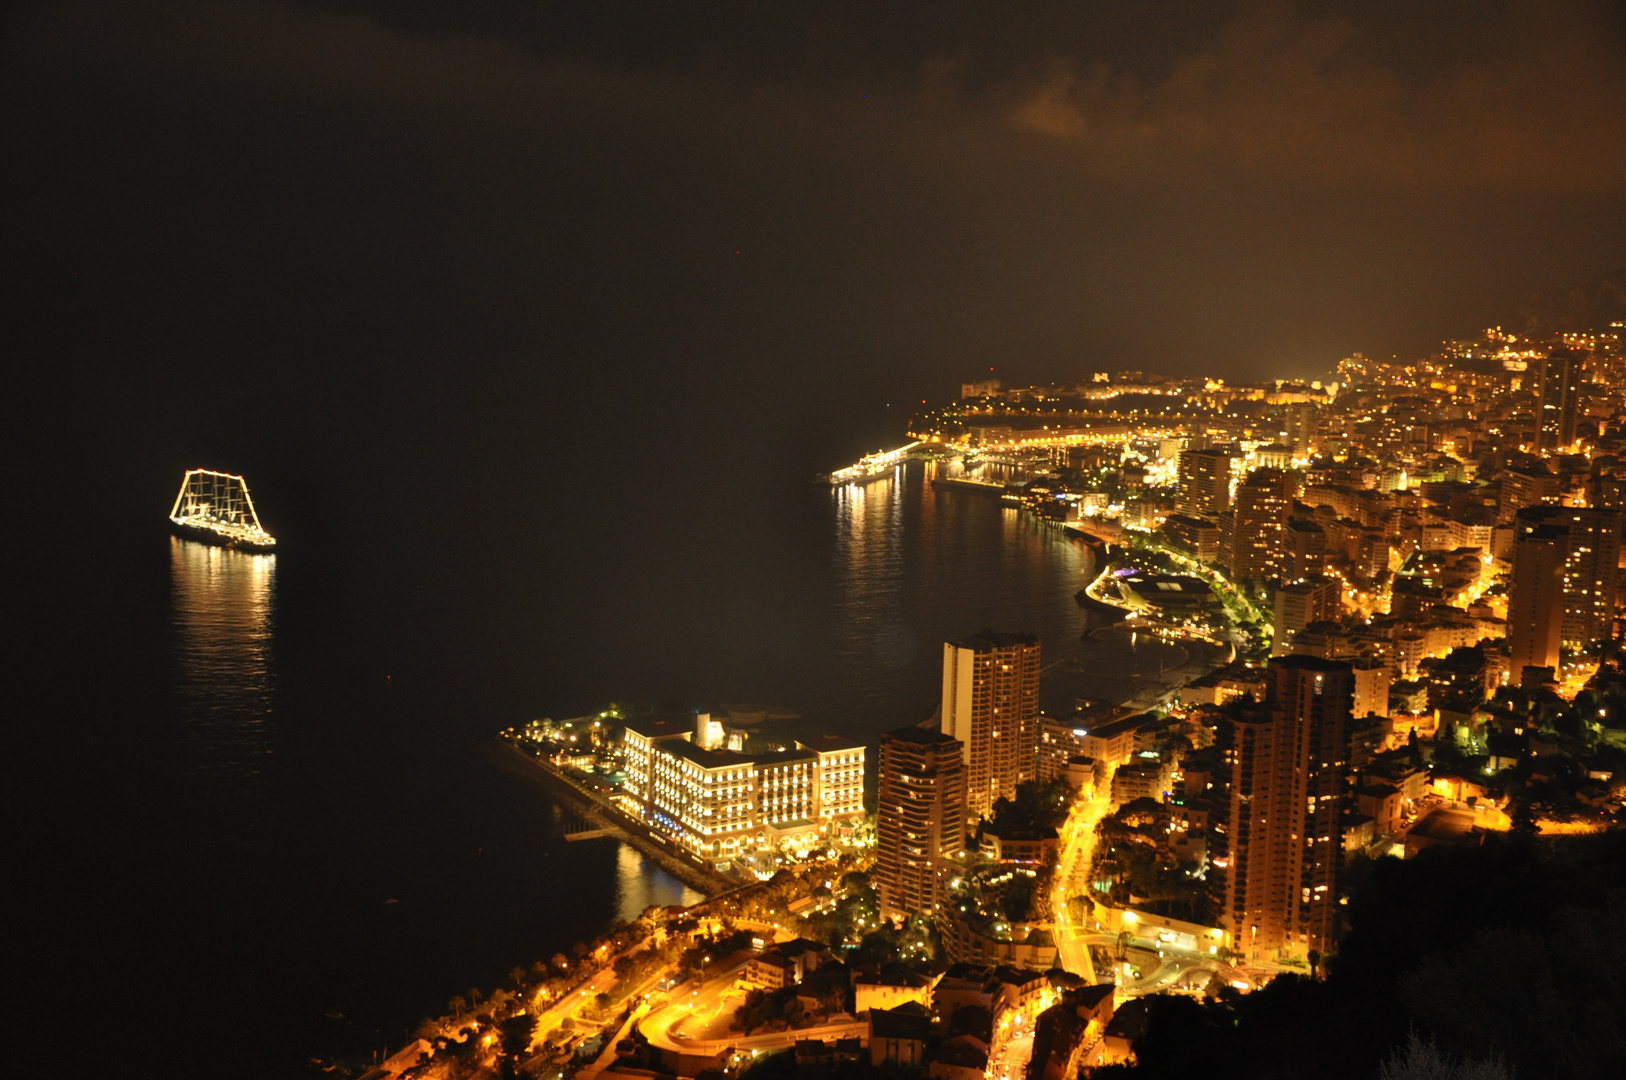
1510 957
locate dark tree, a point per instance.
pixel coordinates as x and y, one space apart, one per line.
1523 818
514 1037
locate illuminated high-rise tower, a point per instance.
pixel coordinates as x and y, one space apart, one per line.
1559 388
1565 572
1253 532
921 819
1205 481
991 704
1288 758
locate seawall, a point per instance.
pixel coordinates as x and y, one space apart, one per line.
600 814
958 484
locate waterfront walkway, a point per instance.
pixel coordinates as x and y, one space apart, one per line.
605 819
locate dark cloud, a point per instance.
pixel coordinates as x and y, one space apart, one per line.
1266 188
1318 98
1537 103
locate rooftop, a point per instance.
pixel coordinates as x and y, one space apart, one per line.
988 640
1309 663
1118 727
1445 826
908 1021
829 744
917 734
722 759
660 725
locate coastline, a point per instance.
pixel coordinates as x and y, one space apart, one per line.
1143 690
611 821
961 483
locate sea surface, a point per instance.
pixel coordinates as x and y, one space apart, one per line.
260 809
529 444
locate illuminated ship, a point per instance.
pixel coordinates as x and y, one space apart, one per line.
215 508
873 467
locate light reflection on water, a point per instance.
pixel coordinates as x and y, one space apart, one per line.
869 556
223 602
916 566
640 884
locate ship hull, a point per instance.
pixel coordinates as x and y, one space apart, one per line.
209 536
867 477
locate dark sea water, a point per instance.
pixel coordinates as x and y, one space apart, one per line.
268 809
534 429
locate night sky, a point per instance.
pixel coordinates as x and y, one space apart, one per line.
898 192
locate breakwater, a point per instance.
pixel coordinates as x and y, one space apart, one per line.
960 483
588 805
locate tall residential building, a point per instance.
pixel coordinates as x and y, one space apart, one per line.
721 803
1062 754
1298 427
1371 556
1563 583
1591 572
1304 548
1299 604
1529 486
1197 537
1288 757
1372 681
1205 481
921 820
1559 389
991 705
1253 533
1590 539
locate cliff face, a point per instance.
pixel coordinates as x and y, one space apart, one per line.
1592 305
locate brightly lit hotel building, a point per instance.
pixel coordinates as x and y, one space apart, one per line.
698 786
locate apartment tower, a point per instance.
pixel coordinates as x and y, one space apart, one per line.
1288 758
921 819
991 705
1565 575
1253 533
1299 604
1205 481
1591 570
1559 387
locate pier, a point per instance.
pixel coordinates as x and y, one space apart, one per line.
593 817
586 834
962 483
